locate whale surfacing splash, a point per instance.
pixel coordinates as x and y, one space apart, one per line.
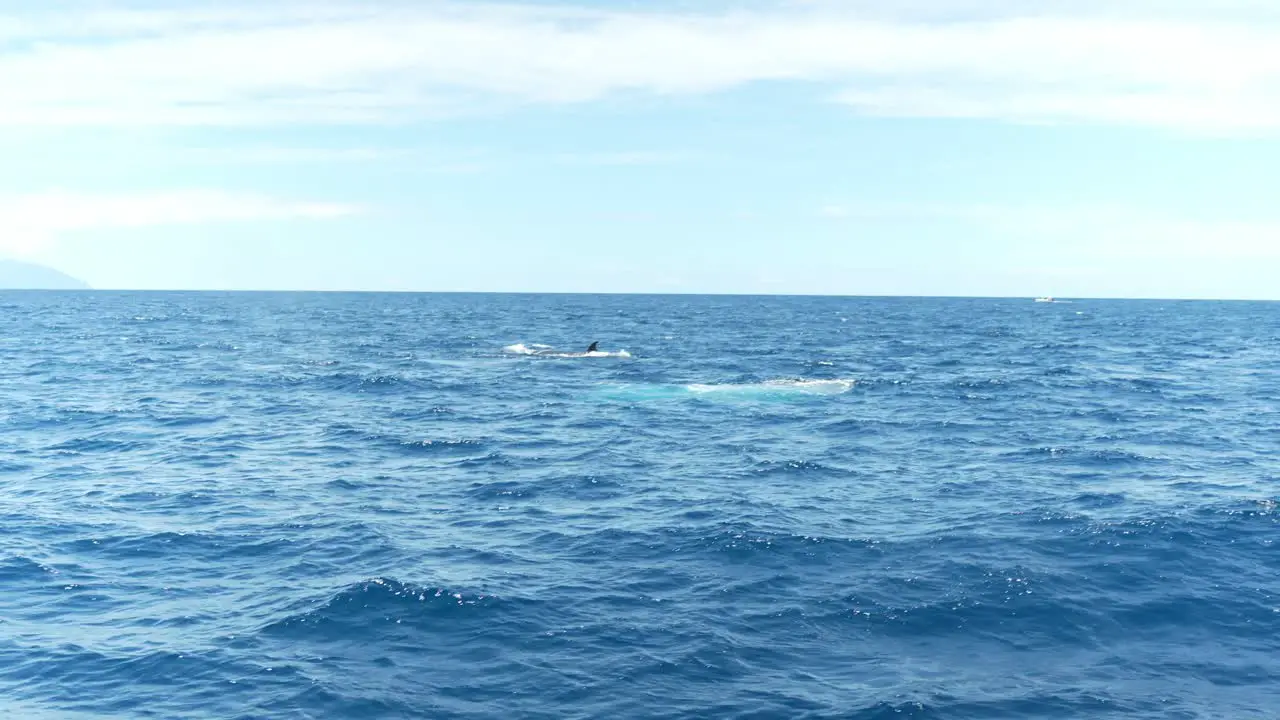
782 390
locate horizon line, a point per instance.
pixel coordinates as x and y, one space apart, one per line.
262 291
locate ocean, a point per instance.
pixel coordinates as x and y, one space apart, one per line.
260 505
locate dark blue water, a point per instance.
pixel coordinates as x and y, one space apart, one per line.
363 506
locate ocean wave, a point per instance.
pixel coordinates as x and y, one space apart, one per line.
180 545
454 447
18 568
1098 703
102 445
359 608
793 467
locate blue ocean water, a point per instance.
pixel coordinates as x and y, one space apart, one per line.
434 506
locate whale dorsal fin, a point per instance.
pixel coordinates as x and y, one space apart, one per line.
595 347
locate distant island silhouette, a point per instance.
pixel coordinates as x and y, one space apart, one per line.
16 275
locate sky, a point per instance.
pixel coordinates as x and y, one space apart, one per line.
1083 148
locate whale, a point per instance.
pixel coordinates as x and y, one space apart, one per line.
546 351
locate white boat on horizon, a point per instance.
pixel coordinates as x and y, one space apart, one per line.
1046 299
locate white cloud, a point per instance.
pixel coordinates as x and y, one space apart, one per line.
1118 236
623 158
454 161
32 222
1185 64
268 155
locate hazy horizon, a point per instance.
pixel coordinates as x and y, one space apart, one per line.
357 291
765 147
